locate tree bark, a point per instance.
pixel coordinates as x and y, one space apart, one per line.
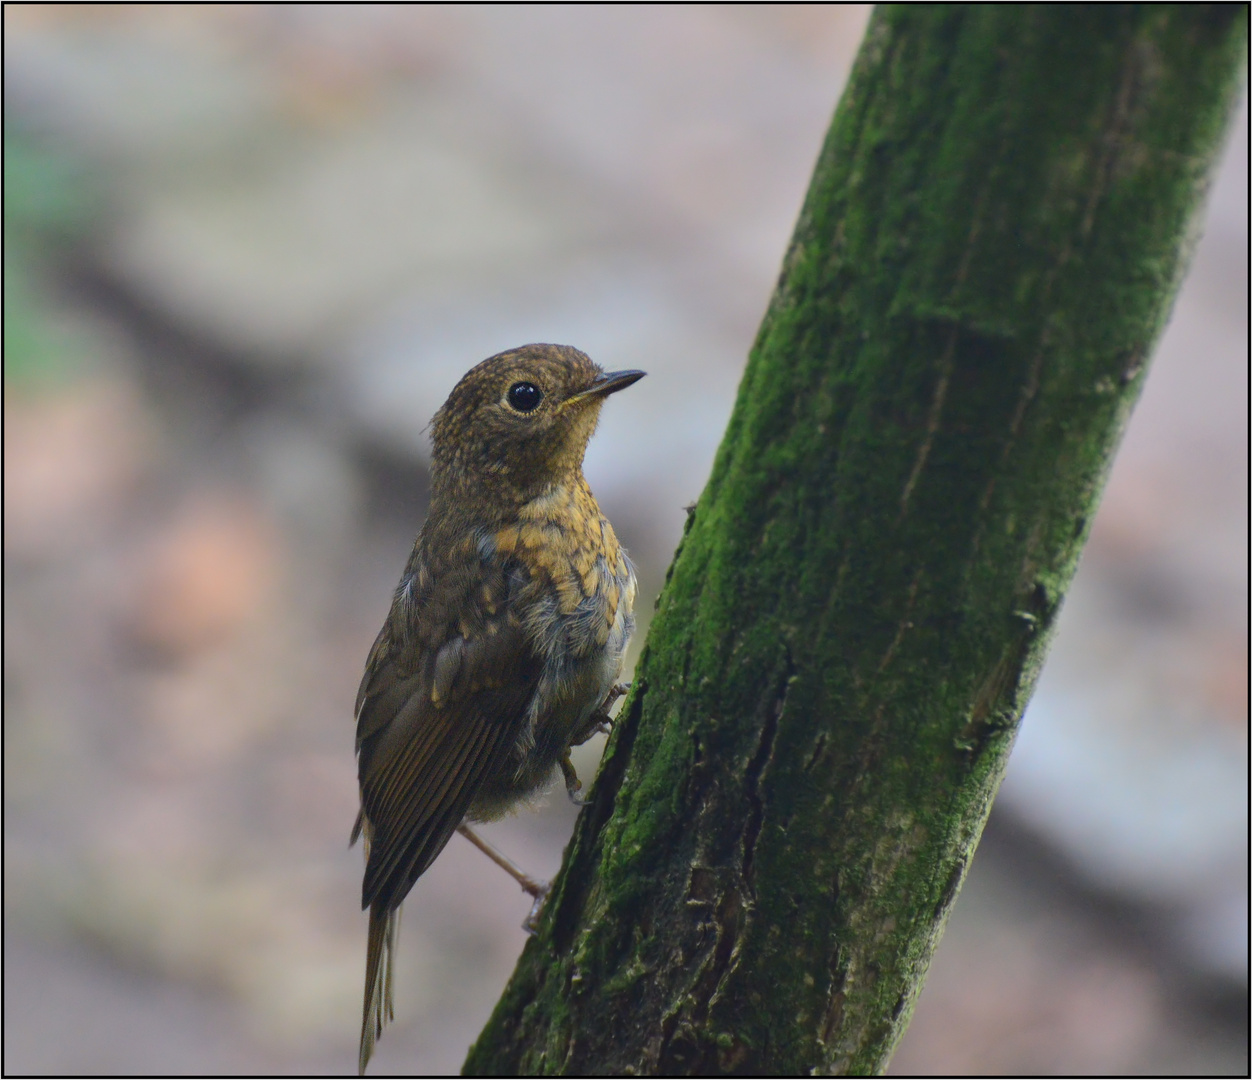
864 594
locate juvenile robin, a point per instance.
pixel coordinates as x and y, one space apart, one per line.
505 638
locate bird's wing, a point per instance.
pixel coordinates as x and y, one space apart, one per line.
444 698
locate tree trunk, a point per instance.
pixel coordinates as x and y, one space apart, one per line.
864 594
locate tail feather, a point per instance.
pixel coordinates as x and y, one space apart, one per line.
379 1002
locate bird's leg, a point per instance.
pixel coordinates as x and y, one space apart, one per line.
537 889
573 786
599 721
617 690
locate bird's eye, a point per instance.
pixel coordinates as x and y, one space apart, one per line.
525 396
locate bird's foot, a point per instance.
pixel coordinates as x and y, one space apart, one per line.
600 722
573 786
539 890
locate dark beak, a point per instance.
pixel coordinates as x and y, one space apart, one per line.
608 383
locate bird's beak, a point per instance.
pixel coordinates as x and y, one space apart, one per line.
610 382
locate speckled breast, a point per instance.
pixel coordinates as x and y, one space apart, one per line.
576 604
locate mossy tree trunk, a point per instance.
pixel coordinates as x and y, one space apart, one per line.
864 594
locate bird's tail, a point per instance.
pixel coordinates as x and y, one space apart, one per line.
379 1007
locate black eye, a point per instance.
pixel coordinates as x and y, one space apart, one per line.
525 396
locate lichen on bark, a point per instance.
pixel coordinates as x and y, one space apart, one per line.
863 595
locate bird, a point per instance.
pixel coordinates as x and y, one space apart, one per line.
505 639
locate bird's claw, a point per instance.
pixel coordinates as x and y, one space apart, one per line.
573 786
539 890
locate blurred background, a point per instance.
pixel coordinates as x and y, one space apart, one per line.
248 251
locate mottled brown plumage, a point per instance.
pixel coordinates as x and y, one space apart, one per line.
506 634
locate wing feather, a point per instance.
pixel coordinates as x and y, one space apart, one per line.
422 761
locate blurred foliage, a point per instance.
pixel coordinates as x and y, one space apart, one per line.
49 206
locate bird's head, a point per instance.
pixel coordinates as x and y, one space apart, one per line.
520 421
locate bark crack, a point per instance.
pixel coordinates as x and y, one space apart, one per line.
904 626
932 420
760 760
